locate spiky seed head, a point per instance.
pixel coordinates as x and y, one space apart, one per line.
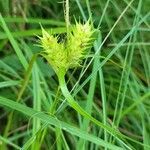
53 51
65 55
80 40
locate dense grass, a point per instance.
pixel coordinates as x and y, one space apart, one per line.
113 83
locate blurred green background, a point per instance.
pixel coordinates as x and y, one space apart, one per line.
115 88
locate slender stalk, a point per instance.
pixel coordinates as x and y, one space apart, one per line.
78 108
81 111
67 17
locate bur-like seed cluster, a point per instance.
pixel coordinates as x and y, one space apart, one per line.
79 42
68 54
53 51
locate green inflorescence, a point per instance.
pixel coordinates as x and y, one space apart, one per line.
68 54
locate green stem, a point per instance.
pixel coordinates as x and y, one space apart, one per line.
79 109
67 17
119 136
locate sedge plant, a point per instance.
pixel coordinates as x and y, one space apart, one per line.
69 54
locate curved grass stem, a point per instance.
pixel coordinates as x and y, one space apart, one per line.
114 132
79 109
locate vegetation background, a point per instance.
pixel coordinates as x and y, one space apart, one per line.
113 84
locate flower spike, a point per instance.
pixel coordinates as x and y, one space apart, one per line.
65 55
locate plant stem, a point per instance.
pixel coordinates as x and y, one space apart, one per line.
119 136
79 109
67 17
